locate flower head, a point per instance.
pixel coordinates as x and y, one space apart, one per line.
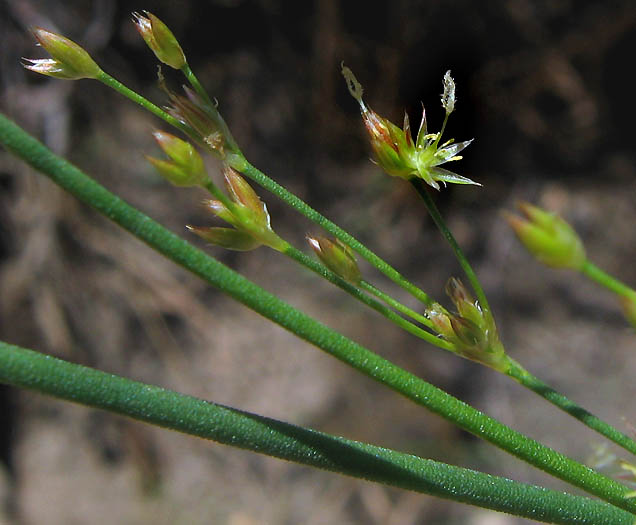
396 151
471 330
160 39
246 212
548 237
69 61
336 256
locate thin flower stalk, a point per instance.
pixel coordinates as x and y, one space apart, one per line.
89 191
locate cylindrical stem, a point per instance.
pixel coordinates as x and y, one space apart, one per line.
604 279
48 375
421 188
365 361
242 165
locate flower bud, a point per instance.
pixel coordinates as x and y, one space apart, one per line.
550 239
394 148
69 61
336 256
160 39
472 331
185 167
246 212
226 238
205 123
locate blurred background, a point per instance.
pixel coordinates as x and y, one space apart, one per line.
545 88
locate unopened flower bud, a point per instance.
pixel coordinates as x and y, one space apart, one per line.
336 256
205 123
160 39
472 331
226 237
550 239
69 61
185 167
246 212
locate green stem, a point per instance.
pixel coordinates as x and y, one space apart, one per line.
517 372
48 375
194 82
594 273
246 292
525 378
240 164
115 84
421 188
352 290
368 287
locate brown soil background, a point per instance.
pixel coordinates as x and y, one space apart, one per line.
546 88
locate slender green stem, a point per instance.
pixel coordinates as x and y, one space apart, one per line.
525 378
48 375
240 164
194 82
368 287
421 188
601 277
246 292
352 290
115 84
517 371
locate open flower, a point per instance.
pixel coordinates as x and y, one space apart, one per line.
394 148
69 61
246 212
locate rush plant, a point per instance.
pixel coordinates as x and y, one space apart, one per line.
469 330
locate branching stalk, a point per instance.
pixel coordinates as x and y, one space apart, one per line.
173 247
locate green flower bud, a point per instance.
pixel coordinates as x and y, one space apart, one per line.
160 39
185 167
550 239
471 330
336 256
226 237
69 61
246 212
